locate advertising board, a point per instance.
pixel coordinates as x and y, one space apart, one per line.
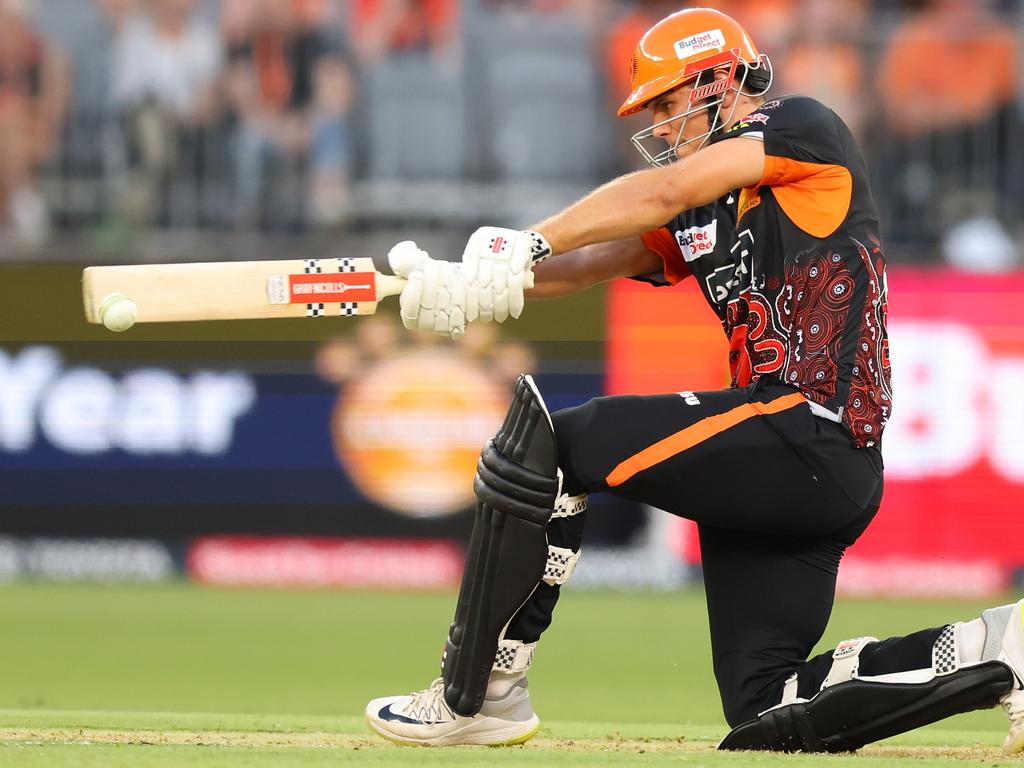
951 518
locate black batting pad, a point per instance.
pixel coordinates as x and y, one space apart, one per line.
516 486
846 716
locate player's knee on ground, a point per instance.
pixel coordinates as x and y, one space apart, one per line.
851 708
749 684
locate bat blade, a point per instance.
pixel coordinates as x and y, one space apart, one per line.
241 290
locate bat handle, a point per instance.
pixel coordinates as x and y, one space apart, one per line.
392 285
389 285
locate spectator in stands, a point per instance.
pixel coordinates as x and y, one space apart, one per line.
956 48
289 84
388 27
33 97
770 22
75 178
165 65
628 23
823 58
947 82
586 11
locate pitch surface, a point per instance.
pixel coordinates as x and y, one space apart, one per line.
104 675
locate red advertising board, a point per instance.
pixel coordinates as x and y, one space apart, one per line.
951 520
297 561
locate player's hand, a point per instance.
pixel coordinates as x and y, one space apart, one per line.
436 297
499 263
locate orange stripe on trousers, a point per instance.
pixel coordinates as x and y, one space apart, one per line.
697 433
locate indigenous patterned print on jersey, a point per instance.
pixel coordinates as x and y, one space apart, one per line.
794 267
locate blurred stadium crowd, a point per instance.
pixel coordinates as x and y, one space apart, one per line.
310 116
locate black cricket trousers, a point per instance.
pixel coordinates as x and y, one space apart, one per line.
778 494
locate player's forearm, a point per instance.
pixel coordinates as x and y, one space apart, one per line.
623 208
588 266
638 202
563 274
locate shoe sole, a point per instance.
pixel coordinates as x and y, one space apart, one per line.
511 742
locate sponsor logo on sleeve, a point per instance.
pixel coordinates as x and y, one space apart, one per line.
695 242
749 121
712 40
755 117
749 199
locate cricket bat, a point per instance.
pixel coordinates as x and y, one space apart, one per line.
240 290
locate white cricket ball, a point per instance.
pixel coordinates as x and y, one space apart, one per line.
118 312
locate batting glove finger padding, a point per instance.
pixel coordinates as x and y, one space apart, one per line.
434 282
516 293
486 304
434 298
499 262
409 300
457 308
472 301
488 285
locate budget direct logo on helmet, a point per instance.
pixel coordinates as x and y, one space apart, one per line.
712 40
705 49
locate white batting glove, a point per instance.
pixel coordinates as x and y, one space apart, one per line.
406 257
435 296
498 262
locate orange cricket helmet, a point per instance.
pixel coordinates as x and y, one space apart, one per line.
691 46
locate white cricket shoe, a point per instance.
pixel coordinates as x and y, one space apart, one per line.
425 718
1011 653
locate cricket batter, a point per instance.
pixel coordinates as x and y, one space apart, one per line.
769 209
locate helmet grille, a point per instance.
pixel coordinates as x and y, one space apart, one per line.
632 68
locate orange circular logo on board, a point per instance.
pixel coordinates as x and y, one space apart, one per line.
410 428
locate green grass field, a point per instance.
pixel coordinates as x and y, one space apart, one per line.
180 675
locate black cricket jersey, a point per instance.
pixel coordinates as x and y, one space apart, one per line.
793 266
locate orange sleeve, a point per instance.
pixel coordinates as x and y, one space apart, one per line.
661 242
815 196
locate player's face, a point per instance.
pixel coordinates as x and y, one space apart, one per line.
684 126
694 126
671 105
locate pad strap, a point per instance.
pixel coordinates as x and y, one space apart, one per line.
946 651
514 656
846 660
561 564
789 691
995 620
570 506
